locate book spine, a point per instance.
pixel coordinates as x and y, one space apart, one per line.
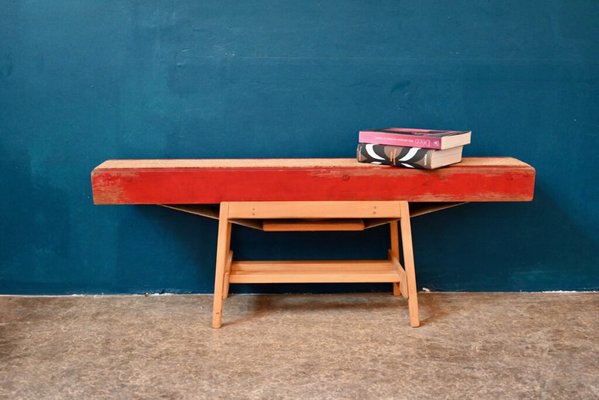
410 157
398 139
417 130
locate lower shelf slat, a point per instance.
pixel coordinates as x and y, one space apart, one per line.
313 271
293 225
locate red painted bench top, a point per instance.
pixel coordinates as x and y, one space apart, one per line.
213 181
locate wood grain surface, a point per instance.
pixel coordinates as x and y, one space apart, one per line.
213 181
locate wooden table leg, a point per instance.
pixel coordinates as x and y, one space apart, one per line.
394 252
222 253
408 256
399 288
228 263
228 269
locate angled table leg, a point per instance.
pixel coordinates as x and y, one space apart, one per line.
222 253
394 252
228 268
399 288
408 256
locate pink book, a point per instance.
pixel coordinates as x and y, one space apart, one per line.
410 137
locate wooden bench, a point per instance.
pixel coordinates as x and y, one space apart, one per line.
311 195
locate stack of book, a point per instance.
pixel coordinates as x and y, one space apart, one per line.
412 148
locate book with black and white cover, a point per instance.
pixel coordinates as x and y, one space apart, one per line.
410 157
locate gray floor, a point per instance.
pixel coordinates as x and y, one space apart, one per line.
301 347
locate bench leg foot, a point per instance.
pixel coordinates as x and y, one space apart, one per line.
222 253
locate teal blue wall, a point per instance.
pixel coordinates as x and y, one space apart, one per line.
82 81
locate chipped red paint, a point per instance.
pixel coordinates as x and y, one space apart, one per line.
213 185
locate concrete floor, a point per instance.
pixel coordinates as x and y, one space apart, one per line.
354 346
